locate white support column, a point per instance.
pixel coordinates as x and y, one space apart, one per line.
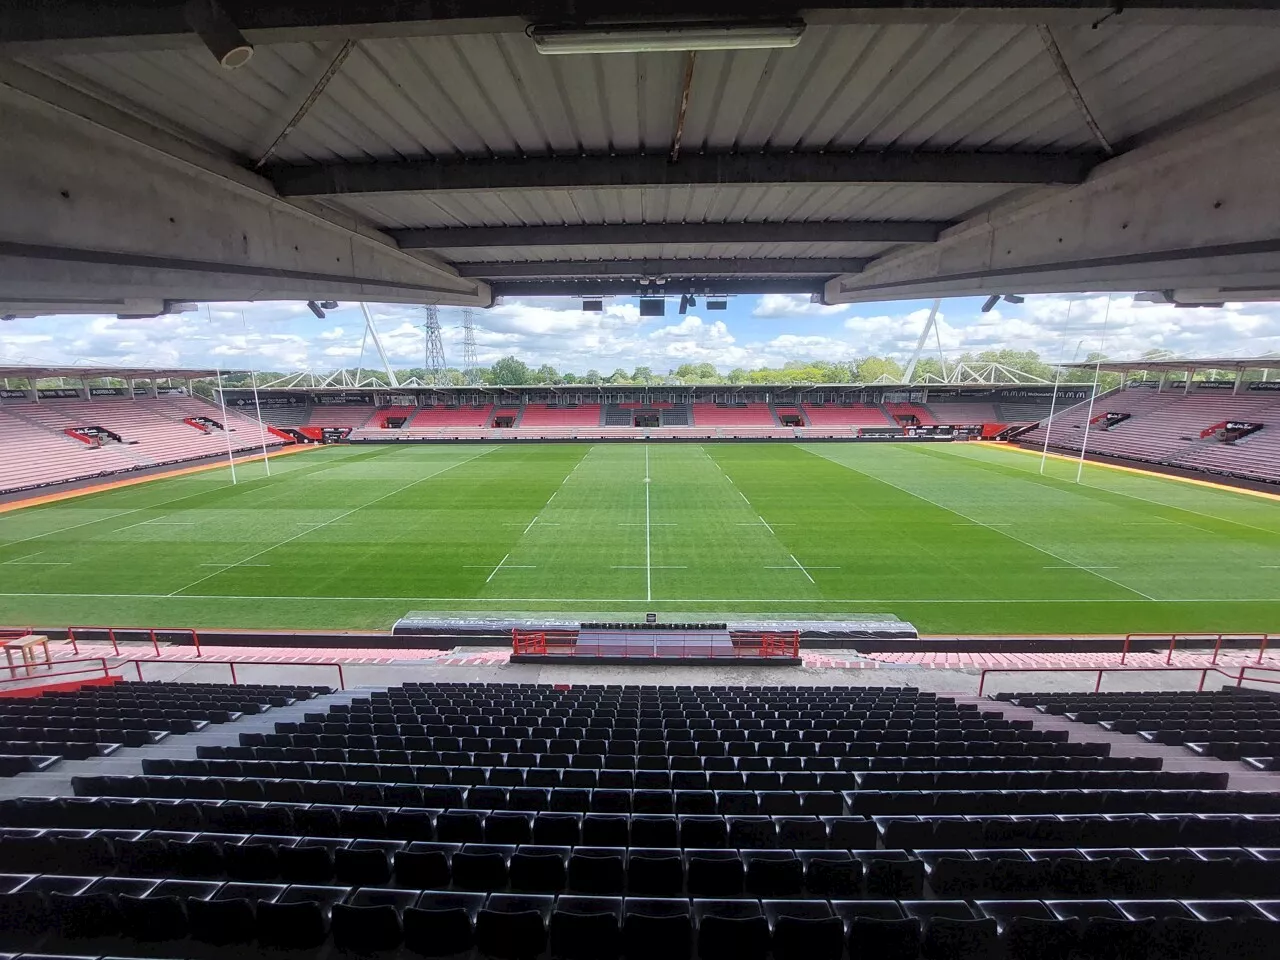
1235 387
1186 387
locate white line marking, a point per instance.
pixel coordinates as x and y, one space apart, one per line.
128 526
40 563
530 526
647 524
340 516
801 566
811 567
27 556
756 523
967 523
504 559
648 543
598 600
1002 533
743 496
125 513
169 523
227 565
766 525
1076 566
1170 506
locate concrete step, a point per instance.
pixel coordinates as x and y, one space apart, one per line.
127 761
1176 758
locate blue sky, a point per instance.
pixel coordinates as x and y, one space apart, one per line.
753 331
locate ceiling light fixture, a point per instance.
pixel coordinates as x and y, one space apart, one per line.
665 37
219 33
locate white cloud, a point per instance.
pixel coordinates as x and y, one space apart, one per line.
779 305
285 336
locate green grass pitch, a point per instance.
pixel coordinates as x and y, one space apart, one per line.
958 539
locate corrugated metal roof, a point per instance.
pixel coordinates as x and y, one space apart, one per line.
901 86
892 85
685 204
662 251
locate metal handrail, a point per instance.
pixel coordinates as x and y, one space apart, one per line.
138 662
1203 671
1173 639
12 668
342 685
150 631
1244 671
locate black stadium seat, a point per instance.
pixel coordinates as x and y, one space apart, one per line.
603 823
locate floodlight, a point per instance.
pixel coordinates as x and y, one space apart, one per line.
315 308
991 303
592 306
653 307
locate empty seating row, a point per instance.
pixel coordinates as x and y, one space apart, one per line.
78 910
1228 724
89 723
700 830
724 802
393 750
450 818
154 431
556 775
657 871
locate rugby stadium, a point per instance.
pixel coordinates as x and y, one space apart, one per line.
915 596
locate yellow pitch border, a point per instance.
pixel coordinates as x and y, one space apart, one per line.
1262 494
133 481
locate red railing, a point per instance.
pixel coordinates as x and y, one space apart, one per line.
692 645
541 641
12 668
342 684
15 633
779 644
1244 675
1099 671
149 631
1217 639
